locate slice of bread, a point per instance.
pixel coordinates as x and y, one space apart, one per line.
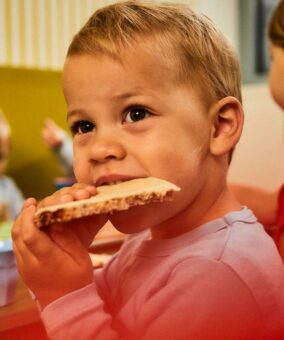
109 198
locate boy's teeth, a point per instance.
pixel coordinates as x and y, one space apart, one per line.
114 182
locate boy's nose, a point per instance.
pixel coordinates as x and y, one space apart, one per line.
106 148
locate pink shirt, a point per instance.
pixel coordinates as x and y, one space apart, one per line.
222 280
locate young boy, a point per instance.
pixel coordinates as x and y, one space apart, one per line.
154 90
11 198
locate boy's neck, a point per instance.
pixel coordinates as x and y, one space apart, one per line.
197 215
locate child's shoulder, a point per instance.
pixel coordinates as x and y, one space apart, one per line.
241 244
234 245
7 180
235 237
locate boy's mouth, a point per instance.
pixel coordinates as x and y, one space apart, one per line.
111 183
113 179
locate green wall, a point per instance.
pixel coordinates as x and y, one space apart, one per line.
27 97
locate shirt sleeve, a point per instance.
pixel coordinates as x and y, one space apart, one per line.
199 300
79 315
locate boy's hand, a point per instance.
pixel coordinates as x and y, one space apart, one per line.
85 228
55 262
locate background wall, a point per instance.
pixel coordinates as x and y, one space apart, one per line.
34 37
26 97
259 156
37 33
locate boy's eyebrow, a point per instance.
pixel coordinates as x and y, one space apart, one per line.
73 113
125 95
133 94
115 97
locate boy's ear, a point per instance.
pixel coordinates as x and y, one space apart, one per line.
227 124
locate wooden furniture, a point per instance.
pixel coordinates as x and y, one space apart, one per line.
20 320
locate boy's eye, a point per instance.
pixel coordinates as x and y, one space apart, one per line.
82 126
136 114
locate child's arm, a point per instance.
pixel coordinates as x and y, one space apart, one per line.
199 300
55 262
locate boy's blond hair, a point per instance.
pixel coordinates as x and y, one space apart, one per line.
174 34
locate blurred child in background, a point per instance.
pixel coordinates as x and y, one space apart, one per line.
11 198
269 206
58 141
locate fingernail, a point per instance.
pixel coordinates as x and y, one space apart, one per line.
29 201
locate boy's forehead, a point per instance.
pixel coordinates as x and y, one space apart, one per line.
104 77
140 72
135 64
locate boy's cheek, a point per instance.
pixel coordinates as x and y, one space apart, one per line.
81 172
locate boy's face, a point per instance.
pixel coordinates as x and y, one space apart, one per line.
276 78
132 120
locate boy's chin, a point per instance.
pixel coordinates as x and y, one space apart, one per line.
139 218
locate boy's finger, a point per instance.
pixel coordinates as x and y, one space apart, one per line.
77 192
28 238
18 254
89 188
28 202
22 253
